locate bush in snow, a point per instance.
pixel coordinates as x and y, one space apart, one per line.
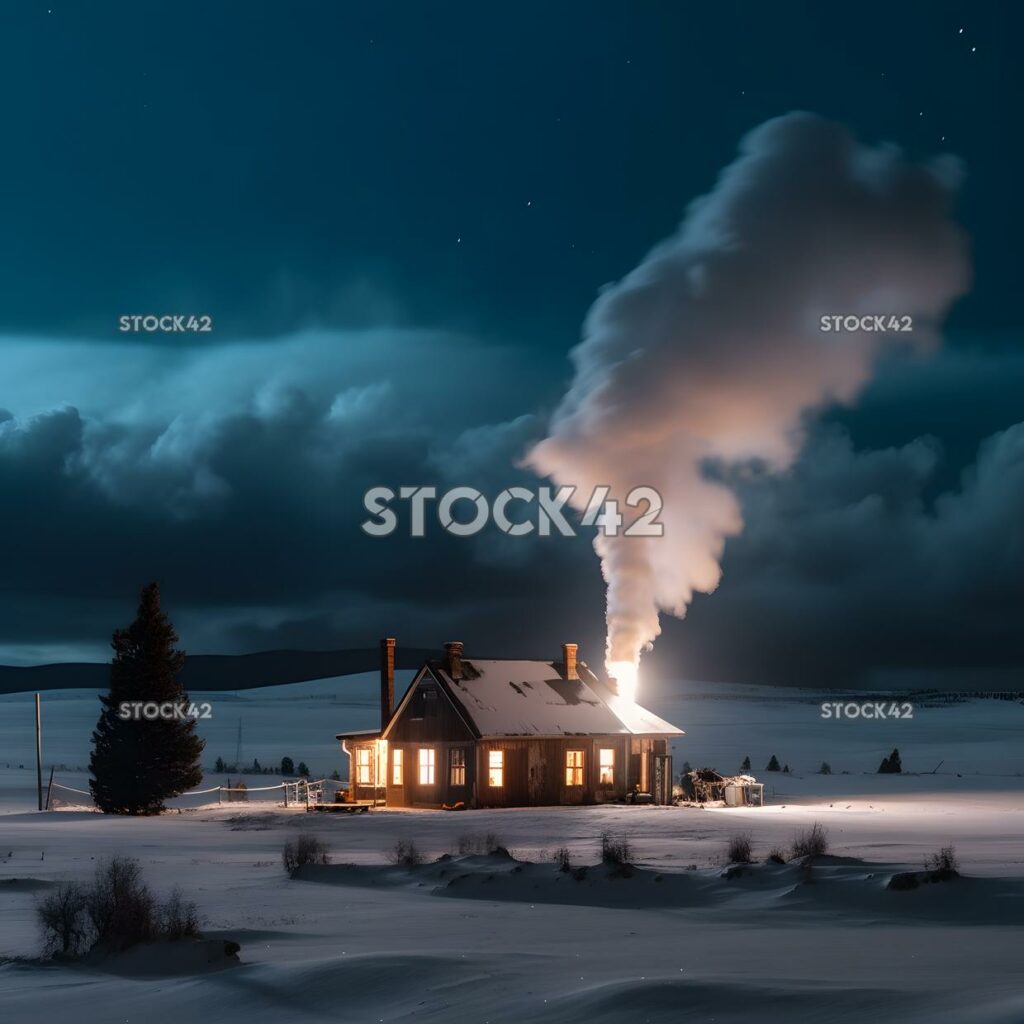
811 843
476 843
63 919
120 906
178 918
304 849
825 769
116 911
739 849
406 853
562 859
776 856
616 851
943 865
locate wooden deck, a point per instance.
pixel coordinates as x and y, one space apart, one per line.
353 807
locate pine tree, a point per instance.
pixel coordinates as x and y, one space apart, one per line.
303 770
137 763
287 766
773 765
220 766
891 765
745 767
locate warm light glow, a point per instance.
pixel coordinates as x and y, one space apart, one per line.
625 675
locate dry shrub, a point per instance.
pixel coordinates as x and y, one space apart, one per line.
178 917
304 849
812 842
944 864
63 919
475 843
616 851
116 911
405 853
739 848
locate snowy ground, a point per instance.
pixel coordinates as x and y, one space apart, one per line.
376 943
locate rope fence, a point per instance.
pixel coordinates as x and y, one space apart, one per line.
293 793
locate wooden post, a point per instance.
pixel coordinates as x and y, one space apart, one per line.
49 788
307 794
39 754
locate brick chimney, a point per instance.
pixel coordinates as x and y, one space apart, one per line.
569 661
387 680
453 658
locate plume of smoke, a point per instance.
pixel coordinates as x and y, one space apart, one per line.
711 350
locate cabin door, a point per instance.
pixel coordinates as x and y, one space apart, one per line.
537 777
661 784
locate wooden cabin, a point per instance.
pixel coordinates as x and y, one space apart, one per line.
487 733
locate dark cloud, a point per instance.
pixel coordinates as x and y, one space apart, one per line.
236 476
849 573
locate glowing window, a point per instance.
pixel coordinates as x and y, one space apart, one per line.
457 763
363 766
396 768
496 768
574 767
426 766
606 763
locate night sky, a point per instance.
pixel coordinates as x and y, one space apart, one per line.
397 216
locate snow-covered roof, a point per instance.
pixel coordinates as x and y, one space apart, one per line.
532 698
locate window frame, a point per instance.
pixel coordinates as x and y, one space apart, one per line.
457 766
496 771
573 770
427 761
364 769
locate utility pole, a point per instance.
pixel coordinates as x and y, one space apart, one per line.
39 754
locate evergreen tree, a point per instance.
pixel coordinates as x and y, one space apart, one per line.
891 765
220 766
137 763
773 765
287 766
745 767
303 770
